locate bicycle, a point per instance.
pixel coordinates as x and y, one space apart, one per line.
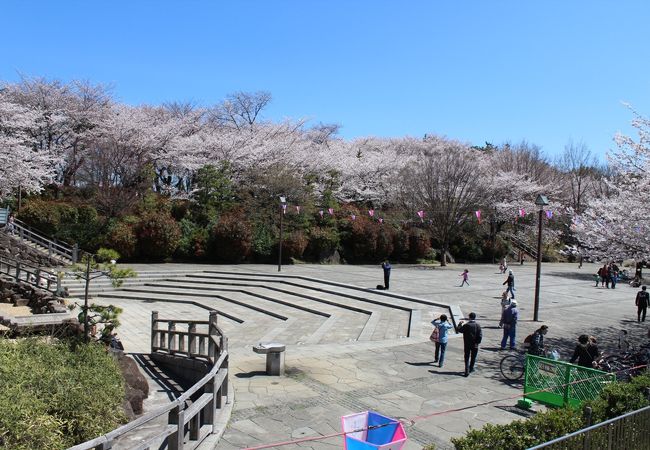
512 366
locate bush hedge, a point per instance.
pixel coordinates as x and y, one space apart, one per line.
232 237
52 397
616 399
158 235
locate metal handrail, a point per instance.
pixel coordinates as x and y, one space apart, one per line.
586 431
180 416
55 249
41 232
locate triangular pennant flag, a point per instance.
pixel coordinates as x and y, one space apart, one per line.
381 220
549 214
421 215
371 212
321 213
331 211
478 216
298 209
284 208
522 212
353 217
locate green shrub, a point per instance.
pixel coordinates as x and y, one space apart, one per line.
522 434
419 244
194 240
620 398
80 224
616 399
262 241
359 240
232 237
323 242
158 235
121 237
53 397
400 245
294 245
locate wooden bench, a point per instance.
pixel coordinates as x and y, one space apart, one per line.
274 357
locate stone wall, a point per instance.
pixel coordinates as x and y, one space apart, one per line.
13 248
22 294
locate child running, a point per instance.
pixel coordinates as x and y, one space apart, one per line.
465 276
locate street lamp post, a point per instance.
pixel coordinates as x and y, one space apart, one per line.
283 205
541 201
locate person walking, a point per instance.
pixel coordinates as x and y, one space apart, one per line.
472 337
11 224
443 326
386 266
613 274
642 300
509 320
505 302
510 281
465 276
604 276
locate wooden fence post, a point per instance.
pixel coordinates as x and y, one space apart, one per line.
171 326
154 334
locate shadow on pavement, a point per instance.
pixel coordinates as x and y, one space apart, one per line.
252 374
428 363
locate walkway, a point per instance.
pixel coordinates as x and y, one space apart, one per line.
393 375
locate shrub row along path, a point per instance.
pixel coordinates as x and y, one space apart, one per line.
348 350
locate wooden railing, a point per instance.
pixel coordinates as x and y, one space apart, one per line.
521 244
55 248
33 275
196 413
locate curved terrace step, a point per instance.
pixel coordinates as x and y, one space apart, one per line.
387 321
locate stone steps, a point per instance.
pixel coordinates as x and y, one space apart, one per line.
256 307
387 323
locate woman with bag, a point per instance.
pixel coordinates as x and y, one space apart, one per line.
439 336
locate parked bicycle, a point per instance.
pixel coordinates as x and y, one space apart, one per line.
513 366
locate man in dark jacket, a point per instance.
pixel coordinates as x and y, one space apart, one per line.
510 281
472 337
386 266
642 300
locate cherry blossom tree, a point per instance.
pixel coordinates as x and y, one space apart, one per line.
447 181
614 226
21 165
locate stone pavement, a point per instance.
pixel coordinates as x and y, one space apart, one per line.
396 377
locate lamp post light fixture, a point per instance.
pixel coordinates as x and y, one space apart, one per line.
541 201
283 206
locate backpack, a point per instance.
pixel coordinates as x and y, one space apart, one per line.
435 334
529 339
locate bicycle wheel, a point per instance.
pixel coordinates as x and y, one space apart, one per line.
512 367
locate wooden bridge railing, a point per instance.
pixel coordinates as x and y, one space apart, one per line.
187 425
33 275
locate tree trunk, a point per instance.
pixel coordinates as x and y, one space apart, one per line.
443 257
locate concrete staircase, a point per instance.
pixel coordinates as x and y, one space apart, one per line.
264 307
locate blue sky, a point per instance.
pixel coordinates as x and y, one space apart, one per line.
544 71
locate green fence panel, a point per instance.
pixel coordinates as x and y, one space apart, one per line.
562 383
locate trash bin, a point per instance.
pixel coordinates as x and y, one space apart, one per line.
370 430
